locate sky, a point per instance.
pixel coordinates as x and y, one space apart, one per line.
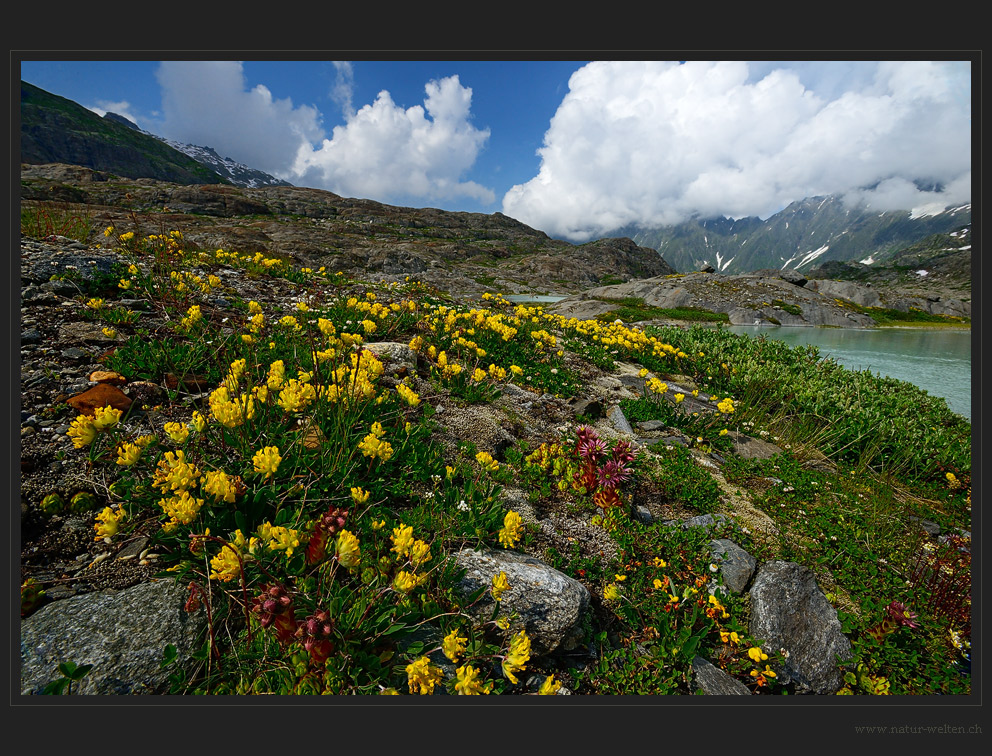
576 149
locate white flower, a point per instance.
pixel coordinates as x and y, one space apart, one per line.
462 506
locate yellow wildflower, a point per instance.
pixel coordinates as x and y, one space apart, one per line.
757 654
404 582
402 538
348 551
512 529
518 656
549 687
220 486
422 676
106 417
107 524
267 460
500 585
467 683
453 645
178 432
128 454
486 461
82 431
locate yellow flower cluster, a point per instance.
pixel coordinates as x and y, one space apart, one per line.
296 396
128 454
500 585
486 462
193 316
231 412
347 550
226 565
373 446
726 406
422 676
266 460
409 395
173 473
107 524
178 432
279 538
657 386
467 682
218 484
82 431
182 508
412 551
517 657
453 645
512 530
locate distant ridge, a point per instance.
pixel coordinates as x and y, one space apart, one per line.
57 130
807 233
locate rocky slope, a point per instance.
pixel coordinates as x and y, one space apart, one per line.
90 580
455 251
762 298
90 584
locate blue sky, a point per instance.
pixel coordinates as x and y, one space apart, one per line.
574 148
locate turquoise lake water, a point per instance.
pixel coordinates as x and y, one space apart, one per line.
937 360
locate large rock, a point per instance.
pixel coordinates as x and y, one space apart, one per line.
747 447
790 612
736 565
123 634
852 292
713 681
549 604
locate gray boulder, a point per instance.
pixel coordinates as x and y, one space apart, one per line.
398 355
790 612
123 634
549 604
793 277
706 521
852 292
618 420
736 565
713 681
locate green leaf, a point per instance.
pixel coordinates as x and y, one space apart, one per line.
169 656
55 687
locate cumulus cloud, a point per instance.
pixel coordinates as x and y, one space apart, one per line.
654 142
207 103
392 154
383 151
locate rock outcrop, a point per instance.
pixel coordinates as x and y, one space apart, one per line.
790 612
123 634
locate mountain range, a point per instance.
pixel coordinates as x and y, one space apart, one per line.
805 234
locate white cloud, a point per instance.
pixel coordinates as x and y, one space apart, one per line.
382 152
656 142
207 103
121 108
392 154
344 86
